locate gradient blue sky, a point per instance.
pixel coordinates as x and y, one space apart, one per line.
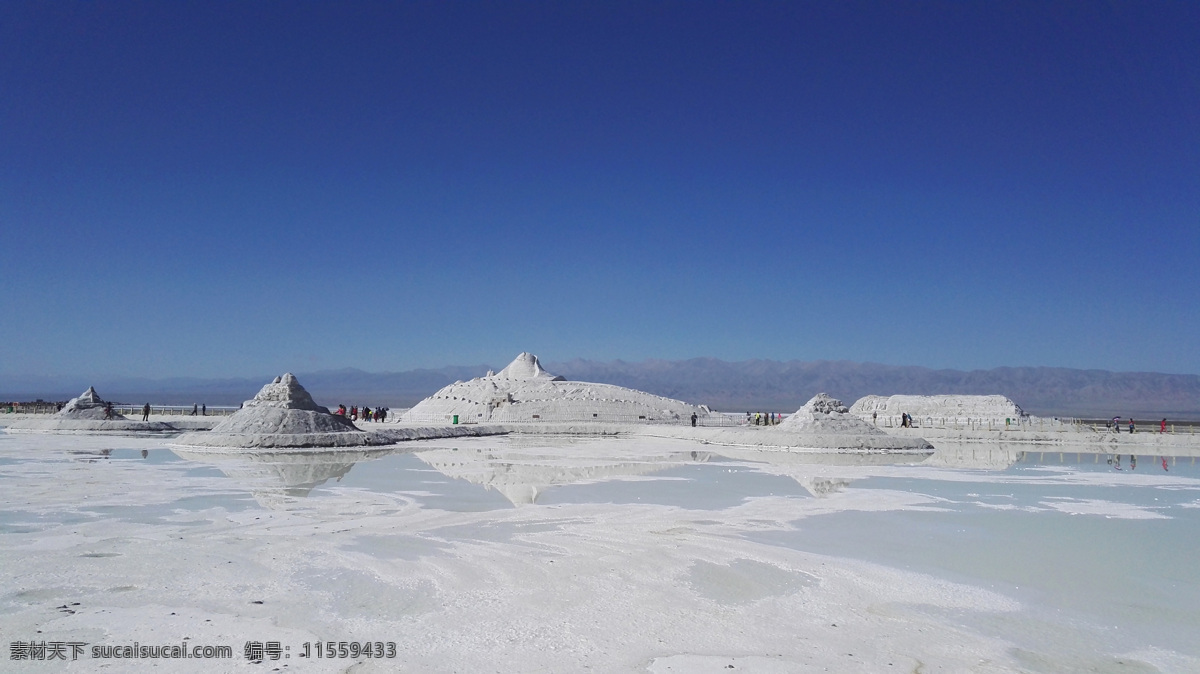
228 189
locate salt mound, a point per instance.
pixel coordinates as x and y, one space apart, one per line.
283 414
88 405
948 409
524 392
87 415
826 414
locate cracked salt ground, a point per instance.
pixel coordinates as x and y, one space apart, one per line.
614 555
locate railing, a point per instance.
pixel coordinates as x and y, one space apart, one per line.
175 410
127 410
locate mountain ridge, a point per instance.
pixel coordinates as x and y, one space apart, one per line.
757 384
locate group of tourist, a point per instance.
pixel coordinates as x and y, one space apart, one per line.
1115 425
764 418
378 414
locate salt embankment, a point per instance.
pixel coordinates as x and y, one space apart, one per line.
89 414
524 392
282 415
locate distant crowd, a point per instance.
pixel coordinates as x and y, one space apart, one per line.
378 414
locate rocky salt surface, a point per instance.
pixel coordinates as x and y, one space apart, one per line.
281 415
87 415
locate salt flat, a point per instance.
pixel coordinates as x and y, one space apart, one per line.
612 554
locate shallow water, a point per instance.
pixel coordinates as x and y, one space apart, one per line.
1034 561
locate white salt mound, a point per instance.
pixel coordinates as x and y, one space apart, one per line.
952 409
88 405
283 414
524 392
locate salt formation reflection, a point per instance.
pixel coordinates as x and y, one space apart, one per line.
276 478
820 473
521 474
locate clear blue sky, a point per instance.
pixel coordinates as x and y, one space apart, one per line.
227 189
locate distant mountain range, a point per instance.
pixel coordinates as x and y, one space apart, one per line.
739 386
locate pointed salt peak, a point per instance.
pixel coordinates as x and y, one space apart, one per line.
284 391
90 395
526 366
823 403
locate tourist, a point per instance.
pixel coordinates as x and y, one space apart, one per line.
1131 427
108 411
195 408
354 413
204 410
1117 425
693 419
1162 426
875 418
146 412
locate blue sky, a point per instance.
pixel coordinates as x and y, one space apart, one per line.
230 189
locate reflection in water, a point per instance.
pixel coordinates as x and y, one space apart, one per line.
821 474
90 455
976 456
521 475
274 477
1115 462
1003 455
